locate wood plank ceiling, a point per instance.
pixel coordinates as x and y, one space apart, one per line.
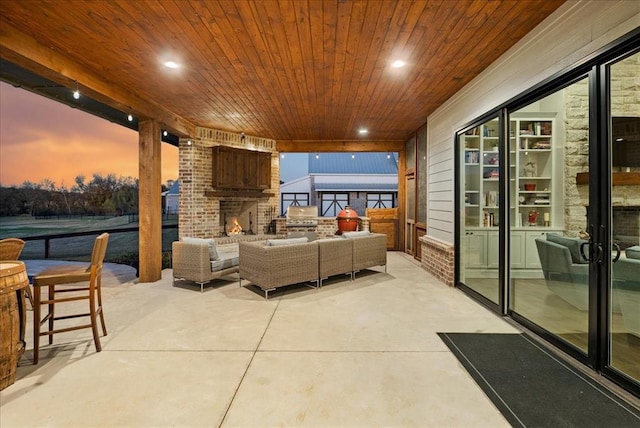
290 70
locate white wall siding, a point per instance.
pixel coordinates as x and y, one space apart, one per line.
575 31
357 178
300 185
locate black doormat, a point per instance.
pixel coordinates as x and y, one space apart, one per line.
532 388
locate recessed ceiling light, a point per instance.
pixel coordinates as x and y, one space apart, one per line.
363 131
171 64
398 63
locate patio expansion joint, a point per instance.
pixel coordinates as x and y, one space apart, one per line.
354 351
255 351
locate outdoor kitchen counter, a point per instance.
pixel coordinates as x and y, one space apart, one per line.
326 226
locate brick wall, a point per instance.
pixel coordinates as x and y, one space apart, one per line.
438 259
199 214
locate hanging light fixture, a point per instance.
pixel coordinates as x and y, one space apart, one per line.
353 155
165 133
130 117
388 155
76 93
317 156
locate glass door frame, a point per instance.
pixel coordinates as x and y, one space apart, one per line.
596 69
503 210
600 330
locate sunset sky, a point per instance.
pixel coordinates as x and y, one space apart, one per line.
41 138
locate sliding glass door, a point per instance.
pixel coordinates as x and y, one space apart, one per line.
479 191
548 196
549 155
624 232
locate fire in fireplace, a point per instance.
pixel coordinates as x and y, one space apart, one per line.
238 217
235 228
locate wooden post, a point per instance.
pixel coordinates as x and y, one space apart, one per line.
402 189
150 201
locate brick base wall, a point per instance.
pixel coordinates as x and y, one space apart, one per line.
438 259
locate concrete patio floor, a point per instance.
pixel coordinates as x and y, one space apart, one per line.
352 354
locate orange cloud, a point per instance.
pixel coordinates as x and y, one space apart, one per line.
41 138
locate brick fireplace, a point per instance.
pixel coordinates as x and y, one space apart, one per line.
202 209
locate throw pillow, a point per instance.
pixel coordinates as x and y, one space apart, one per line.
211 243
573 244
283 242
633 252
357 234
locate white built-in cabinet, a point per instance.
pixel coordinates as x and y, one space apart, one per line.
535 186
481 248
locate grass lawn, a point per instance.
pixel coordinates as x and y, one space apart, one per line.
78 248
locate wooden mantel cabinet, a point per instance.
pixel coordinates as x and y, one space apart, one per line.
241 169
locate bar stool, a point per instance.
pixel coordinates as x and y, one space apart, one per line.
65 279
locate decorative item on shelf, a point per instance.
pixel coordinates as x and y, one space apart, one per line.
493 160
471 157
533 218
541 199
530 169
491 198
546 219
543 145
491 174
529 187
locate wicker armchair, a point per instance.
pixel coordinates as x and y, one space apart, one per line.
369 251
335 256
270 267
192 262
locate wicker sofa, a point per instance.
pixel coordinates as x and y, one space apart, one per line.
197 262
276 263
272 266
369 249
335 257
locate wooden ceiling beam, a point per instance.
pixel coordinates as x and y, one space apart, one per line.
26 52
324 146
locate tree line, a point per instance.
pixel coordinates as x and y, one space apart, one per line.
102 195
